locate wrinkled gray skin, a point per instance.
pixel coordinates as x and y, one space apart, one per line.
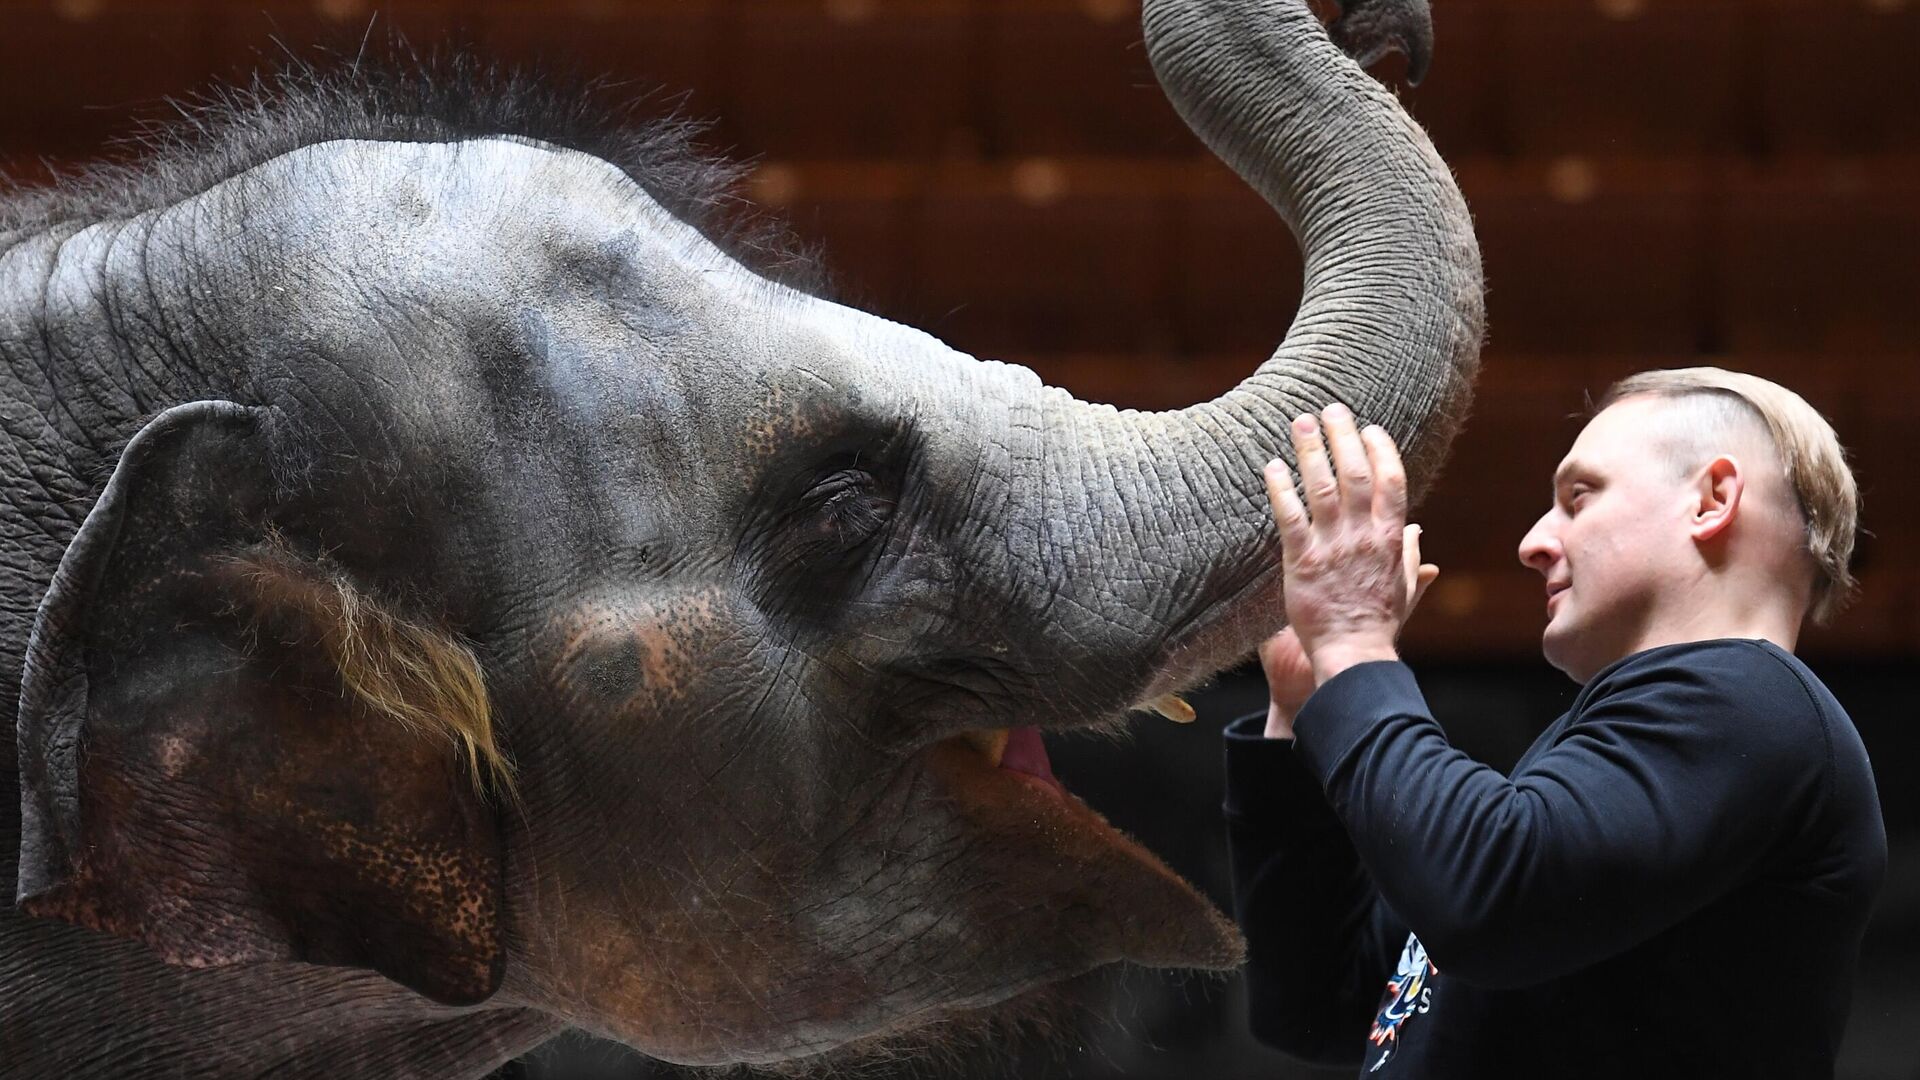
738 563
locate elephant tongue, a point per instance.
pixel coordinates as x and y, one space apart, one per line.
1025 753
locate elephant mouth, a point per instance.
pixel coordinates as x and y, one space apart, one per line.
1017 750
1083 892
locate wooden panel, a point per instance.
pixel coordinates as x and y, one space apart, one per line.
246 37
657 50
1237 278
1458 102
848 79
1880 621
1879 430
1045 256
1839 76
1821 256
74 74
1072 77
1620 76
1582 256
1586 255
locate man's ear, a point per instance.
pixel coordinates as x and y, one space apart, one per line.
221 803
1719 488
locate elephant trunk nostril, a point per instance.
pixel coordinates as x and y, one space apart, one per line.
1368 30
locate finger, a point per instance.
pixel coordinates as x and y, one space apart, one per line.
1350 462
1427 575
1316 473
1389 476
1272 648
1288 513
1410 556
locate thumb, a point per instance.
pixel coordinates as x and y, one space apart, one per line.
1419 575
1426 575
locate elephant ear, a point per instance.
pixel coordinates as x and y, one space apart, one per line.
219 796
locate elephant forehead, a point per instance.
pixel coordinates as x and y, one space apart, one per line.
499 198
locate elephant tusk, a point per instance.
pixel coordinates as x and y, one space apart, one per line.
1174 708
992 743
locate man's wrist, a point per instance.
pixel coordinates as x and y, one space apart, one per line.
1332 658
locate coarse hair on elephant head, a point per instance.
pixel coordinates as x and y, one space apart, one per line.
509 609
397 95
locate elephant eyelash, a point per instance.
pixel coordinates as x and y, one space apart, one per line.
859 518
836 489
845 502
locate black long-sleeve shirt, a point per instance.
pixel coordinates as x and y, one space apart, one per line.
1673 881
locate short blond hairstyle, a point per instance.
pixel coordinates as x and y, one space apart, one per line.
1810 454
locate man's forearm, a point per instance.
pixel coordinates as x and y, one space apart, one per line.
1319 941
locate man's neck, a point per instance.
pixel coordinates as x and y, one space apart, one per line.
1764 623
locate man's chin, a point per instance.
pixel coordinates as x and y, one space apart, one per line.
1556 645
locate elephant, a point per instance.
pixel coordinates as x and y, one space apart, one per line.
458 592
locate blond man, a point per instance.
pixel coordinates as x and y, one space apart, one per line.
1674 879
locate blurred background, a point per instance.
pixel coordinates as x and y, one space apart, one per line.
1655 183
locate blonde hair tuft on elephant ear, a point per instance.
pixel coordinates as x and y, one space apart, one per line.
425 679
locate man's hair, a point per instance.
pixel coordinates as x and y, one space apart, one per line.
1810 455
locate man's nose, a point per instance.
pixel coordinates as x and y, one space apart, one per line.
1540 548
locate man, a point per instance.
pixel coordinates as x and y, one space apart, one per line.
1675 878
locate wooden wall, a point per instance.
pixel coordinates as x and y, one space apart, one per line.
1655 182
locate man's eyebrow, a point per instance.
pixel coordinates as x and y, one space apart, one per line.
1567 470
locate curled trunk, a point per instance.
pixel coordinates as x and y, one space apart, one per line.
1390 323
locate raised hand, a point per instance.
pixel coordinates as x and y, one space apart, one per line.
1351 562
1284 662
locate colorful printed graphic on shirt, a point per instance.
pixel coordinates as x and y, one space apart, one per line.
1409 993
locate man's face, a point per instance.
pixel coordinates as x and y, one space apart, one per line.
1615 537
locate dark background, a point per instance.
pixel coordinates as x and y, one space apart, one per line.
1654 183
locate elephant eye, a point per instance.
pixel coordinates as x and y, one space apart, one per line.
845 508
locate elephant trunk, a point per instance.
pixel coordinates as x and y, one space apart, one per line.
1161 524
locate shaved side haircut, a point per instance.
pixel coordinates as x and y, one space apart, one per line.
1725 405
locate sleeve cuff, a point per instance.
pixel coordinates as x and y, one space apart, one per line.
1266 779
1348 706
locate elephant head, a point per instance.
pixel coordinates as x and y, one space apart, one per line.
502 588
